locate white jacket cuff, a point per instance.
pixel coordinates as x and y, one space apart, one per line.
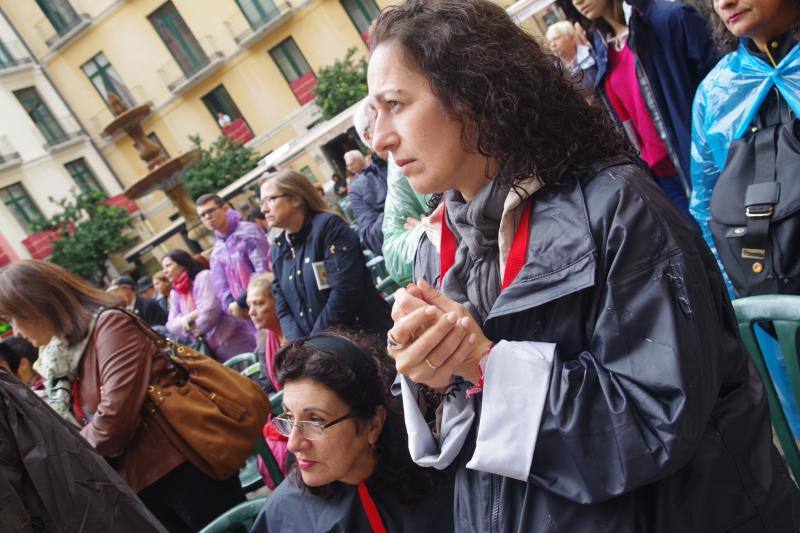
457 416
515 387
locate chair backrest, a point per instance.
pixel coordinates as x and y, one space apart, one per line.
277 403
249 475
241 361
783 312
243 514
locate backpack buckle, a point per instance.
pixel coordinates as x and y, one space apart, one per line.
758 211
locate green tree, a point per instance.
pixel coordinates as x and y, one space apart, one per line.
222 163
341 85
90 231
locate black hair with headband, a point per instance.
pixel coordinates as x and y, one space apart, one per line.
352 369
348 352
357 368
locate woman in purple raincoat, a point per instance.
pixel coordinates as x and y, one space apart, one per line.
195 311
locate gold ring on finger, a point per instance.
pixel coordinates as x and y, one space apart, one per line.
428 362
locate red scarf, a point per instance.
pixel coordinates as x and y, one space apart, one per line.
182 284
516 257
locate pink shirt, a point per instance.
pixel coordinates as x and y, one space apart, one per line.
625 95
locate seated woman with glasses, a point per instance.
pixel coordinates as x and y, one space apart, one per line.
345 428
321 277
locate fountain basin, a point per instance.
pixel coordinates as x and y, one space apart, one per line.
165 176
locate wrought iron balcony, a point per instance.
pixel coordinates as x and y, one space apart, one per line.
179 77
59 132
245 30
69 23
13 55
8 154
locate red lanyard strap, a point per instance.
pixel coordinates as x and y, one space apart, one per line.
76 403
516 257
374 518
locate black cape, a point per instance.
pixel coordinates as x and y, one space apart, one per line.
291 510
52 480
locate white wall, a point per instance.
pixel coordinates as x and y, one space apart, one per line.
40 170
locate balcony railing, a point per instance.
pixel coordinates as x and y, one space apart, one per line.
178 81
8 154
54 38
56 136
245 31
103 117
13 54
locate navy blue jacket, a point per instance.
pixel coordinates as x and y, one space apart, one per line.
672 43
367 197
352 300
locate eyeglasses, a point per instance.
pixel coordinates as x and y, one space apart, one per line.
309 429
271 199
207 213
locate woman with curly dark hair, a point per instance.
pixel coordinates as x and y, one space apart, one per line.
593 373
346 430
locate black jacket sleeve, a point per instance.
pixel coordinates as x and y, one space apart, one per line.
628 409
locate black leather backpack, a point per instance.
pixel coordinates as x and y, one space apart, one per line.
755 211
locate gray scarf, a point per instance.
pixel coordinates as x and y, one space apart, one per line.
475 278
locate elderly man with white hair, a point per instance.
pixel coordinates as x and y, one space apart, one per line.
368 188
355 162
575 57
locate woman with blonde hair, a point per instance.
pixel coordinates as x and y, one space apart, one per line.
261 308
321 278
97 363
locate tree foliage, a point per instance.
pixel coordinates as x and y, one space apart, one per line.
341 85
222 163
90 231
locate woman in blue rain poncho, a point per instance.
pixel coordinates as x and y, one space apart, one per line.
757 84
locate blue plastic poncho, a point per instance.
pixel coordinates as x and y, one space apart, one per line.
725 105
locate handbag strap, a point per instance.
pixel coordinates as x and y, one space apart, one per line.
160 341
761 196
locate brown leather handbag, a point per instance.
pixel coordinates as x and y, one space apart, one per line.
212 414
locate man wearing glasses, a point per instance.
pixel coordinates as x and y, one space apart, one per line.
240 252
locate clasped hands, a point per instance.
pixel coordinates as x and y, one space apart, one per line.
435 337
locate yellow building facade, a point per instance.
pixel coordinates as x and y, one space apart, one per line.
199 63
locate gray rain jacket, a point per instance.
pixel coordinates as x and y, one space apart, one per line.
654 419
52 480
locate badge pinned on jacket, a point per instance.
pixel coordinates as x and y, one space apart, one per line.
321 275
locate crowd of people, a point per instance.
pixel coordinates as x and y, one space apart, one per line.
569 225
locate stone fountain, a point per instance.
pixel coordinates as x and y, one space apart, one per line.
166 174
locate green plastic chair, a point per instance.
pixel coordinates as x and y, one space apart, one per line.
384 282
349 214
241 361
249 476
251 370
784 313
231 520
